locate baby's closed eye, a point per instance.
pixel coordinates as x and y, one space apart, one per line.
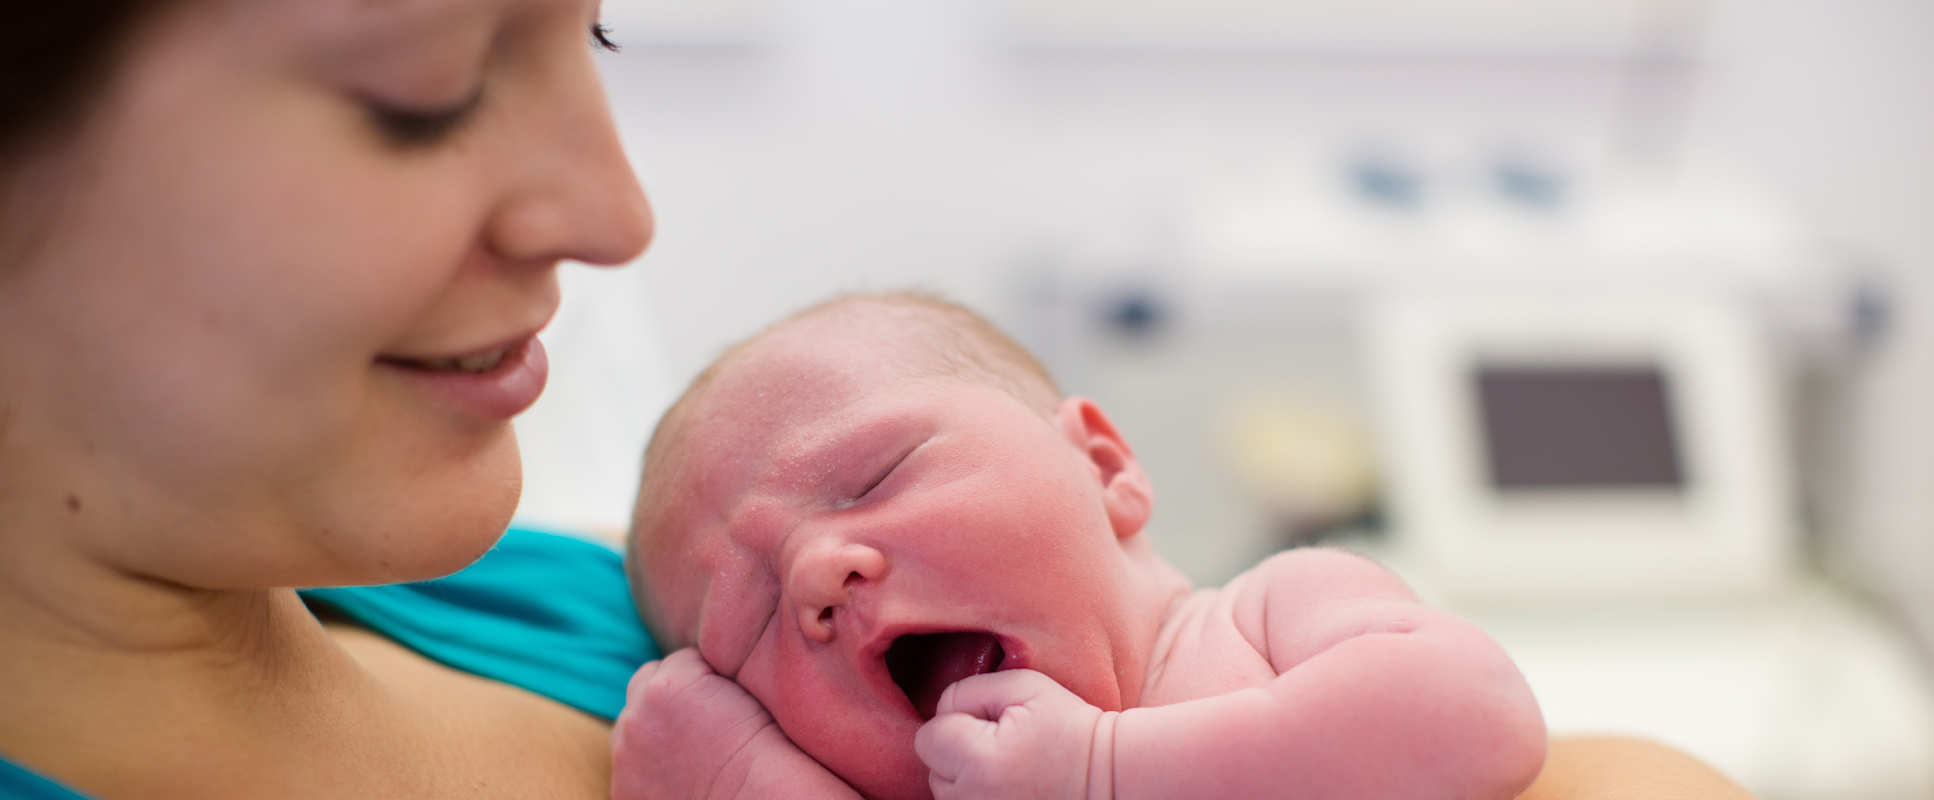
880 476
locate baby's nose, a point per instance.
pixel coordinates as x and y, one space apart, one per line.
823 579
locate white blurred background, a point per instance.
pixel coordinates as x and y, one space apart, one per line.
1261 235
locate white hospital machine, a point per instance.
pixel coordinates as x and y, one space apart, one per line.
1583 436
1606 485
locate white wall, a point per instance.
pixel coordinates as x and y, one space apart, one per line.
837 144
842 144
1833 103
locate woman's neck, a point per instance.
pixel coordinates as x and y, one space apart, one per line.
103 660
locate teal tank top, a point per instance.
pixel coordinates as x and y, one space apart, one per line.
548 613
16 783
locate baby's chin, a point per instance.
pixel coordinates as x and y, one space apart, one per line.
915 788
893 775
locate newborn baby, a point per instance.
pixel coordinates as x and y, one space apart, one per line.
894 551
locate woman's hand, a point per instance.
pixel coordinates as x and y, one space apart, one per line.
688 732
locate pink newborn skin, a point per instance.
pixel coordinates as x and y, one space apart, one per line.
830 491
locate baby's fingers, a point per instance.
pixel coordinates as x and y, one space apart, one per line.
650 680
949 744
988 695
640 679
685 662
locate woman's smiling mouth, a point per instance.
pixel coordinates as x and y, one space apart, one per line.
474 364
495 384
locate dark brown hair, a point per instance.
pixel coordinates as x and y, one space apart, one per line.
53 54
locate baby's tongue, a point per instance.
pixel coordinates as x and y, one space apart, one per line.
926 665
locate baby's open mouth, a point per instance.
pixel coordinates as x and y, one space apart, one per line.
924 665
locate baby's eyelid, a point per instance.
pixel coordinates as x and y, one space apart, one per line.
885 473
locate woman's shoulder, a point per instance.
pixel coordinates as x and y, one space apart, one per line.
1613 767
542 611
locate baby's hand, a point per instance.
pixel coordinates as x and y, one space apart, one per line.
688 732
1016 733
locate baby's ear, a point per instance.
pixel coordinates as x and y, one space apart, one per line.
1125 489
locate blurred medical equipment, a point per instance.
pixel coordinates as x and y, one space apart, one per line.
1580 390
1551 444
1308 466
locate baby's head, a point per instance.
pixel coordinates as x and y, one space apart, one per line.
878 496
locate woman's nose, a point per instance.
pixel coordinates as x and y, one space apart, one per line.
571 192
822 580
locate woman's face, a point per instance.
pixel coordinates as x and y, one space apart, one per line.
232 335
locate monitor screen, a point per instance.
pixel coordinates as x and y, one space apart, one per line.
1574 427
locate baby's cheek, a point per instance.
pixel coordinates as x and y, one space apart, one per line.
869 748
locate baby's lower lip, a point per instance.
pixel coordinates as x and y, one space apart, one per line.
1014 654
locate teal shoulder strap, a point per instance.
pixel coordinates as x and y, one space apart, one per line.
18 782
545 612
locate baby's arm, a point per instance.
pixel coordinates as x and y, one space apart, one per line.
1376 695
688 733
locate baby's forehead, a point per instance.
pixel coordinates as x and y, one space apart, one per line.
808 370
784 394
765 413
859 334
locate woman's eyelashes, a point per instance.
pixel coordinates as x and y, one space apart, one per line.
412 127
601 37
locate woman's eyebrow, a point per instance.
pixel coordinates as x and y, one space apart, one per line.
367 24
396 18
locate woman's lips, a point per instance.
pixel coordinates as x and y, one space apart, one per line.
500 388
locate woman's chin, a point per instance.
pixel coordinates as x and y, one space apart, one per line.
436 528
448 549
450 541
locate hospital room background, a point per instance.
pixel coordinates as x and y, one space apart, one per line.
1607 323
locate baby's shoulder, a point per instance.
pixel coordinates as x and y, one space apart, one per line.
1217 639
1313 574
1293 579
1303 586
1202 651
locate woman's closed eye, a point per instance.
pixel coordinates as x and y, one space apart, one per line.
409 126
